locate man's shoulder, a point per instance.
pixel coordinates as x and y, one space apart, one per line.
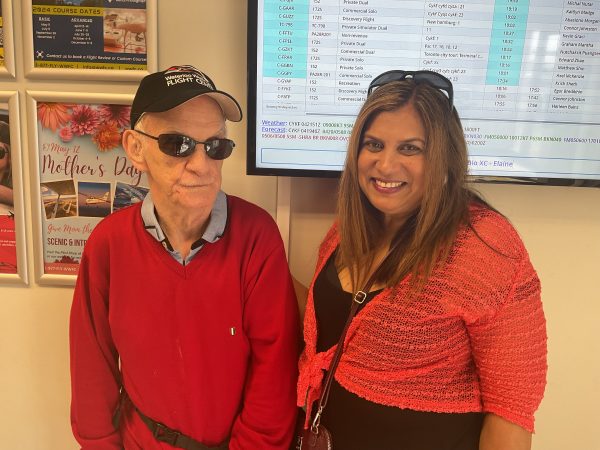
251 224
117 223
246 212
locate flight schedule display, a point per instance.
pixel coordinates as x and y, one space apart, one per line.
526 76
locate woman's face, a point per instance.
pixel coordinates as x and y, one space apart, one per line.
391 164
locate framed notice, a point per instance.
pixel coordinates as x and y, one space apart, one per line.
90 39
81 174
13 254
7 62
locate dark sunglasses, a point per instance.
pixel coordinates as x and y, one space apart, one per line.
433 79
3 152
180 146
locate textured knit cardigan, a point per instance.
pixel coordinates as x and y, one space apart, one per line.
474 339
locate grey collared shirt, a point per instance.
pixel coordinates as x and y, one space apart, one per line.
214 230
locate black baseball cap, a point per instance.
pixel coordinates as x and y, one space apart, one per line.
164 90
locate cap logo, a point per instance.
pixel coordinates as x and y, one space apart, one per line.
162 91
186 74
187 68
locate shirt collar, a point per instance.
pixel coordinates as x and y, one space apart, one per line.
214 230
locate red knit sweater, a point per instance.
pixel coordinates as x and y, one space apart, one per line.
209 349
473 340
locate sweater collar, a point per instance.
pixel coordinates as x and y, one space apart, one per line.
214 230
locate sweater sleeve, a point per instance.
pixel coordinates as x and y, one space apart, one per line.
94 360
271 324
509 349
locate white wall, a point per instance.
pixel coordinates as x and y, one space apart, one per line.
561 227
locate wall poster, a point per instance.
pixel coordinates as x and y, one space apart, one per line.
101 39
82 174
6 40
13 259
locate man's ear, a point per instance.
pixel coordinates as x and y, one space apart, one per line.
133 148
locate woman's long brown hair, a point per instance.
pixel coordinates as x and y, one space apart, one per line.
427 235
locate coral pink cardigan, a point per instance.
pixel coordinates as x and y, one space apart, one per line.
473 340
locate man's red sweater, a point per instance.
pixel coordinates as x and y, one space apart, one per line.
209 349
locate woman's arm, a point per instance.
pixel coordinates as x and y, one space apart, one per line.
500 434
509 351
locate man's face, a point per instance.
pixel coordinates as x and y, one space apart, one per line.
190 183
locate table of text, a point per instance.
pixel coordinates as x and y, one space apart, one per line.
526 60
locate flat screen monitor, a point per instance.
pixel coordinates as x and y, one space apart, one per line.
526 76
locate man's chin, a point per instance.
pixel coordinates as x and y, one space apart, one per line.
195 197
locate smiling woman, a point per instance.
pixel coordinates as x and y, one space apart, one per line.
446 349
391 164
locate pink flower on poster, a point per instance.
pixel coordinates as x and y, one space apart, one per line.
53 115
65 134
84 120
107 136
115 113
104 123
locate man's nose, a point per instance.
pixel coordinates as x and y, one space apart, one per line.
198 160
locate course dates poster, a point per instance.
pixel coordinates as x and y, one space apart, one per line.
84 176
90 34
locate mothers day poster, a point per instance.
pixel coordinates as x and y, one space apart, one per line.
84 176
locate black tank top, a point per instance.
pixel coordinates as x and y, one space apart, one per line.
358 424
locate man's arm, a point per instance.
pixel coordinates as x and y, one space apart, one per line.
268 413
95 377
500 434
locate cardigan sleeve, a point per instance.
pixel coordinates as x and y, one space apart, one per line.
509 349
94 361
271 324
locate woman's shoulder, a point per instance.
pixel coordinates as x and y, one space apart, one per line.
492 229
487 257
330 241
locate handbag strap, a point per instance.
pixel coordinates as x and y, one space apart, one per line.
357 300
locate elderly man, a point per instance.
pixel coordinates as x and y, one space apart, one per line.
184 322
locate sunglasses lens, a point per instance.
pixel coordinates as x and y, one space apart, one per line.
181 146
219 148
176 144
3 153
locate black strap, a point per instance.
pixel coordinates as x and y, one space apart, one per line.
162 432
357 300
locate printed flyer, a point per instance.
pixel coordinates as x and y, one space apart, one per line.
84 176
8 247
90 34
